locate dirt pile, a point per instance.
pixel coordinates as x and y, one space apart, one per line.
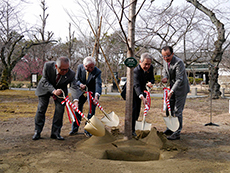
116 148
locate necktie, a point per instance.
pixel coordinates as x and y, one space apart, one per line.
58 77
87 75
168 65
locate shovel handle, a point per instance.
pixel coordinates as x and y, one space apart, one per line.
101 108
146 109
166 99
73 106
148 98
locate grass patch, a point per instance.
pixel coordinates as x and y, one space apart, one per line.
14 104
17 82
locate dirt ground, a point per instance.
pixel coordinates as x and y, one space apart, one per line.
201 148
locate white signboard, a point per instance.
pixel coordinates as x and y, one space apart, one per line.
34 78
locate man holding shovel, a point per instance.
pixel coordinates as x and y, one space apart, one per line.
55 78
88 79
143 75
174 73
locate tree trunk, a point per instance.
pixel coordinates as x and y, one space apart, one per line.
5 79
213 85
129 85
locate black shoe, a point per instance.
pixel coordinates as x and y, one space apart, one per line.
134 134
87 134
174 137
168 132
73 133
36 136
58 137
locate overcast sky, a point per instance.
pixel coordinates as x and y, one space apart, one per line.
58 21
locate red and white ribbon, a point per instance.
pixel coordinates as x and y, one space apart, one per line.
95 102
69 107
69 113
147 106
166 100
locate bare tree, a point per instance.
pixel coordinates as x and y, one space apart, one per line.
116 52
130 15
44 36
187 30
94 16
218 51
12 42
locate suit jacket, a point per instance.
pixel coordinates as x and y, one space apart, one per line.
141 78
177 76
93 83
47 84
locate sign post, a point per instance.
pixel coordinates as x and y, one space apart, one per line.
34 79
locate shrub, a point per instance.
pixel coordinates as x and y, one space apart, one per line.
157 78
19 85
190 80
12 85
30 85
39 77
197 80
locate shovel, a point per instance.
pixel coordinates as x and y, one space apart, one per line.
93 126
110 119
171 122
143 125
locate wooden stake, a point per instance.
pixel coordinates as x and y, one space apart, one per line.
105 58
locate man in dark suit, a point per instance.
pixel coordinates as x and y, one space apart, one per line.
174 73
56 76
143 75
88 78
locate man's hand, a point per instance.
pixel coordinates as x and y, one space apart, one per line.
170 94
57 92
82 86
149 84
143 100
75 104
164 80
96 98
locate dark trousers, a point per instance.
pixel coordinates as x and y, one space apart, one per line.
177 106
41 111
136 110
81 102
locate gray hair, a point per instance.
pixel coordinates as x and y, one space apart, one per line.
146 56
89 60
62 59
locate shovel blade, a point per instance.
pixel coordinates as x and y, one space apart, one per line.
95 127
142 125
172 123
110 119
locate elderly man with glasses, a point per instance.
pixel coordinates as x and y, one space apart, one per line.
55 78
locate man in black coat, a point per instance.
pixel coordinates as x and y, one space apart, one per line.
56 76
143 75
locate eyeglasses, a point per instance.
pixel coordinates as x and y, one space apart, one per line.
64 69
167 56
